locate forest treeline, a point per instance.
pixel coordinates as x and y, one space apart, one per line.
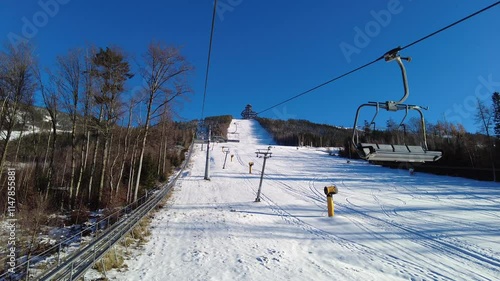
294 132
465 154
96 140
218 124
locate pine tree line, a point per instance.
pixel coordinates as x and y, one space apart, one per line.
304 133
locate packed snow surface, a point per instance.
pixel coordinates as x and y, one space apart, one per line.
388 224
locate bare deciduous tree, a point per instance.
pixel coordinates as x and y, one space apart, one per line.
164 74
50 94
17 86
87 98
70 70
484 117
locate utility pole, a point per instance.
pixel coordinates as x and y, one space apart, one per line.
265 154
225 150
207 163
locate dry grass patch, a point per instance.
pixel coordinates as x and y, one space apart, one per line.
112 259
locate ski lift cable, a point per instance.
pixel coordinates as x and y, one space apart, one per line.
382 57
208 60
451 25
321 85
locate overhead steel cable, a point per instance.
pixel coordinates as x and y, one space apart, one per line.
321 85
450 25
381 57
208 60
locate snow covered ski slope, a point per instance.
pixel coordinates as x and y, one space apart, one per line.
388 225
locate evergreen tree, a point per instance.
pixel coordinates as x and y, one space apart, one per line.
112 71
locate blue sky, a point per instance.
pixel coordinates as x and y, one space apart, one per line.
267 51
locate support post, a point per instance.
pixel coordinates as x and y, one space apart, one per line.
266 154
207 162
28 270
261 178
59 254
329 201
226 151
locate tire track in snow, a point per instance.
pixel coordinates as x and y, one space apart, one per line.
455 221
402 266
238 157
423 214
293 220
469 197
300 195
398 265
382 206
288 218
454 249
449 248
320 197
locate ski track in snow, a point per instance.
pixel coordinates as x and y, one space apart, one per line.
397 263
454 248
458 250
388 225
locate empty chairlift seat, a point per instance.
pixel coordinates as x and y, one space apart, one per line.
366 149
427 155
389 152
396 153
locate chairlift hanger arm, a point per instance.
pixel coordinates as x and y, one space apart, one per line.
422 124
376 113
354 127
404 117
393 55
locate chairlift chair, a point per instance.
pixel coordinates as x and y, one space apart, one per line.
201 135
395 152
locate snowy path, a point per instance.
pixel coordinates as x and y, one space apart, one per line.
388 225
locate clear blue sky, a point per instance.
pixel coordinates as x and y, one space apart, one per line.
267 51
